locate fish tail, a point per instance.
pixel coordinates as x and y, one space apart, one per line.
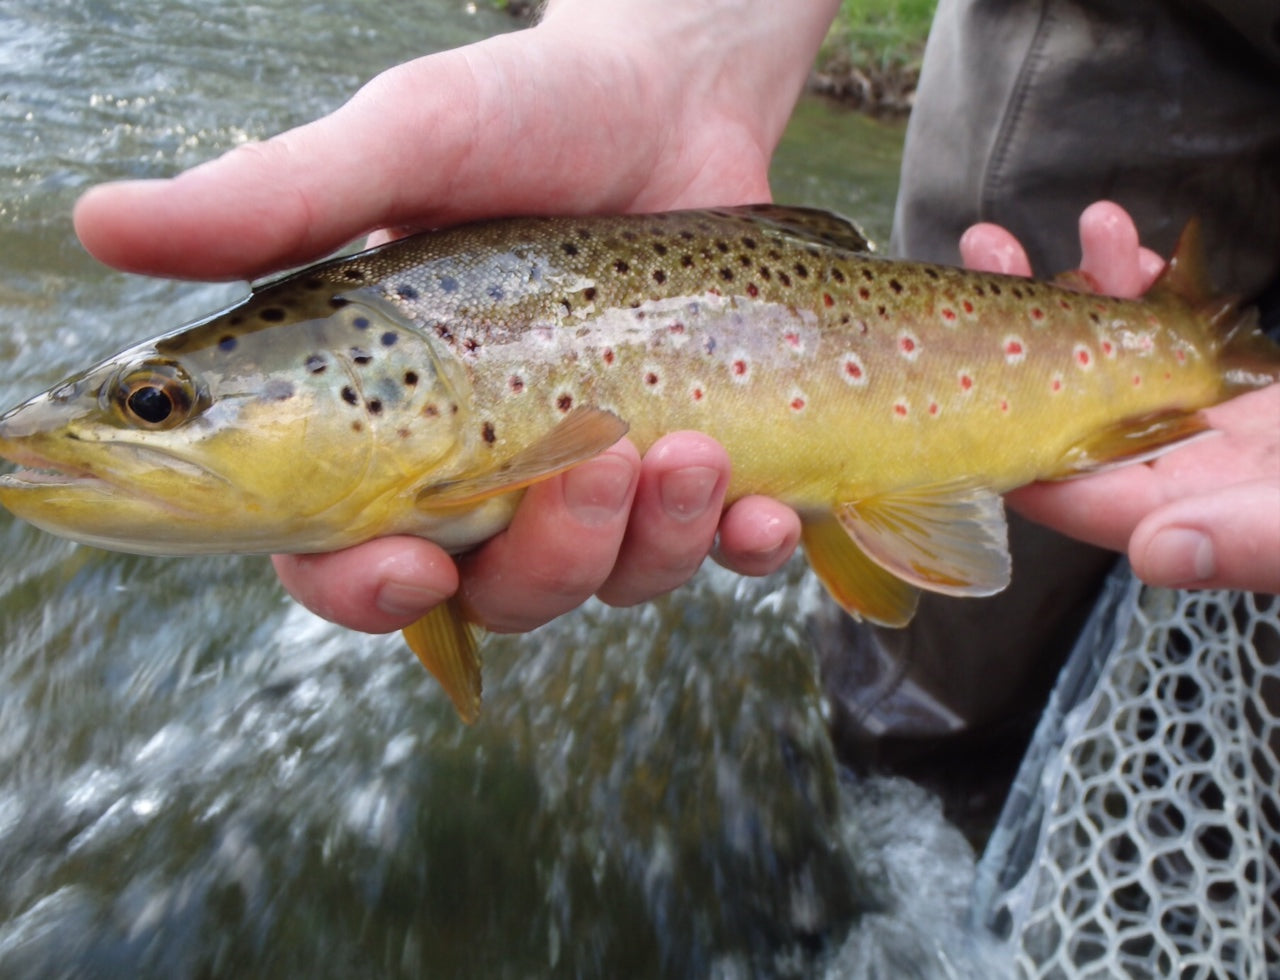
1248 357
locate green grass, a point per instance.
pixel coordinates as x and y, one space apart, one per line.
880 34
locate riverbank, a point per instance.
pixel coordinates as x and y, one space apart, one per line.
870 60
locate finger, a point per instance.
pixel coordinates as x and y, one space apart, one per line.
673 519
989 248
1102 509
757 536
1226 539
559 548
1110 252
376 587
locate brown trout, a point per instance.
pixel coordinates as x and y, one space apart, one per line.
418 387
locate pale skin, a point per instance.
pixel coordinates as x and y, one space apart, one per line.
638 105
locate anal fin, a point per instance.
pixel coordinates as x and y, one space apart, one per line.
447 645
1132 440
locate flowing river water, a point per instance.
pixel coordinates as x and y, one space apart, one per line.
198 778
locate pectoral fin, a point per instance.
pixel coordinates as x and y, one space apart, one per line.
862 587
583 433
1130 441
447 646
950 538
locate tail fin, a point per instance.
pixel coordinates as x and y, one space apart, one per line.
1249 359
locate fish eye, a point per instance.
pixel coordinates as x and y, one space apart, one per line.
156 394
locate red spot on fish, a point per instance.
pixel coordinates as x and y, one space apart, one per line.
1004 404
1055 385
933 408
740 368
864 293
651 378
797 404
1137 380
676 328
608 355
1065 304
1108 348
792 339
698 394
827 300
967 306
1014 351
564 402
909 346
853 371
900 409
753 290
948 314
1037 313
516 384
1180 355
966 382
1083 357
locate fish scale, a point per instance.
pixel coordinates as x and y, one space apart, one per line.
420 386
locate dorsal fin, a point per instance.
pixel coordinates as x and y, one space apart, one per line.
810 225
1187 273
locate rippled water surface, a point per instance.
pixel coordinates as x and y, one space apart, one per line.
198 778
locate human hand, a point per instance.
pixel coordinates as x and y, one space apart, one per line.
636 105
1205 515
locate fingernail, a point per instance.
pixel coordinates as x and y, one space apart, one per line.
1180 556
405 599
596 491
686 492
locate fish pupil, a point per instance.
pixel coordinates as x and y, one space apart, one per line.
151 404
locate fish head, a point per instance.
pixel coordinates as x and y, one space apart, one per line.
273 426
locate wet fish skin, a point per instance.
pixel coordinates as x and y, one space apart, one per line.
418 387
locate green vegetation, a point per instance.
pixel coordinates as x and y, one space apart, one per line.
881 34
871 56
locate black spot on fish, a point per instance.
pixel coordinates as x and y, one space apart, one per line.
659 276
375 406
444 333
686 261
430 411
227 343
338 302
353 274
486 431
931 273
411 378
453 409
659 248
837 276
722 246
405 291
564 402
568 307
349 395
569 248
784 279
235 320
802 270
360 356
868 275
583 233
448 284
749 242
496 294
273 314
315 363
709 345
766 273
895 285
516 384
389 338
361 323
995 289
687 235
621 267
1017 293
471 345
726 274
589 293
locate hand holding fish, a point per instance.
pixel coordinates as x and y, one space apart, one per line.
1207 514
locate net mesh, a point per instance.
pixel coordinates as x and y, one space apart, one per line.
1142 836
